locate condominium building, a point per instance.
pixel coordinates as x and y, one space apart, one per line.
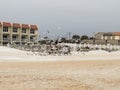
18 33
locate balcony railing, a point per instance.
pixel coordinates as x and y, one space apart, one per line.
15 40
32 33
32 40
15 32
6 40
6 31
24 40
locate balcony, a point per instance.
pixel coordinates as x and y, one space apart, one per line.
33 32
15 31
32 40
24 32
6 32
6 40
15 40
24 40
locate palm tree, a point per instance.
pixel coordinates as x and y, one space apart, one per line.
84 37
63 39
76 37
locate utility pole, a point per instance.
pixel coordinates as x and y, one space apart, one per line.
69 34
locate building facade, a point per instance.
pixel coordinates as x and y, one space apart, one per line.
107 36
18 33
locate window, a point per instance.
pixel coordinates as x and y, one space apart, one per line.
23 30
5 29
15 30
32 31
31 39
116 37
23 38
5 37
14 37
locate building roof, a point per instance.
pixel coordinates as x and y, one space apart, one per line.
16 25
26 26
34 27
7 24
116 33
108 34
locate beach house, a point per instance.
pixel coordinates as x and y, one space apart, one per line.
107 36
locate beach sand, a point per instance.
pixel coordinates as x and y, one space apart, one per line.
60 75
94 70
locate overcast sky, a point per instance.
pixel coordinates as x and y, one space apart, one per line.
62 16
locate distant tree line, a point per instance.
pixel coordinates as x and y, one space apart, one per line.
75 39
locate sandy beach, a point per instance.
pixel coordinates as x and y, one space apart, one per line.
62 75
95 70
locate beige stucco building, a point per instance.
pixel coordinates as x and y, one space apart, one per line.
107 36
18 33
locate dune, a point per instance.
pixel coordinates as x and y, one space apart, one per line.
11 54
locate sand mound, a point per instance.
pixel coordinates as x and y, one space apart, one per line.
10 54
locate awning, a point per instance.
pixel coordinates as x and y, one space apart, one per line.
116 33
26 26
34 27
16 25
6 24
